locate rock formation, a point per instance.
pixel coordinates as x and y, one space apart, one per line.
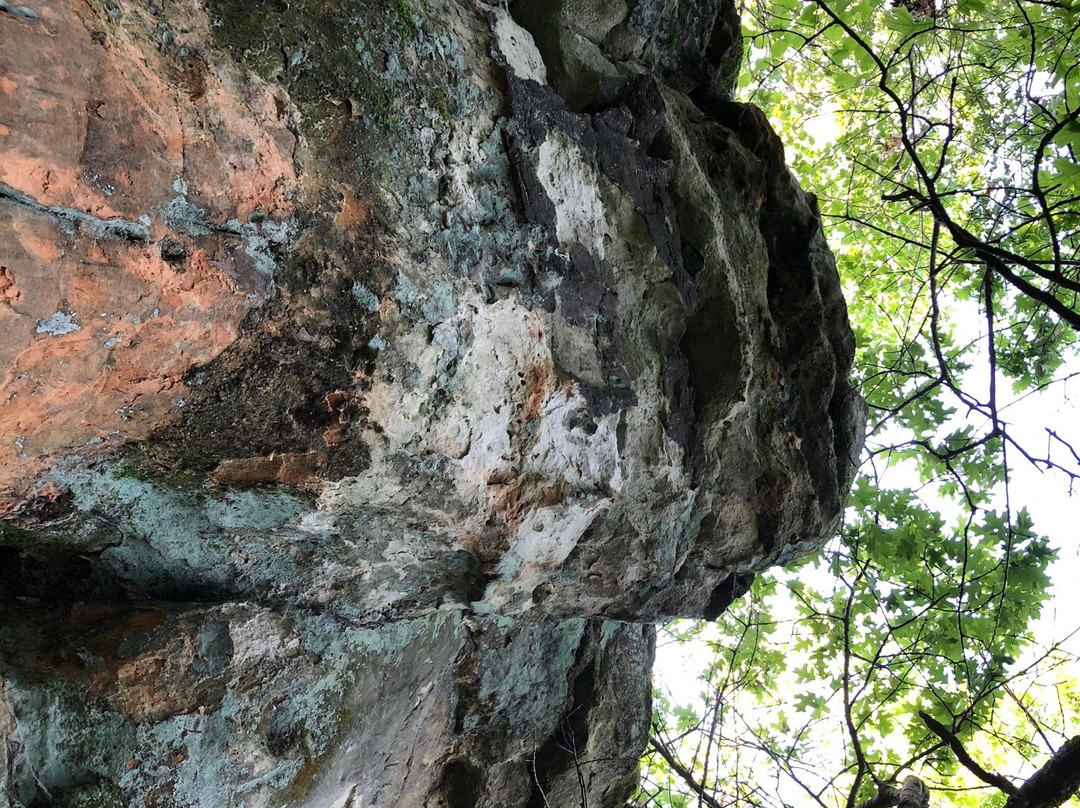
374 375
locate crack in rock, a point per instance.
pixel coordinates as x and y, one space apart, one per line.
70 220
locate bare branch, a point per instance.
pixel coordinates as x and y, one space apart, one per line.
687 776
968 762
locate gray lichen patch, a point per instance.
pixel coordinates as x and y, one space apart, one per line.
57 324
70 220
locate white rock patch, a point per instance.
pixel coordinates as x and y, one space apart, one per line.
572 183
564 448
518 48
549 535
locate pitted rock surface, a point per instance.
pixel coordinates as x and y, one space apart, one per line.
374 376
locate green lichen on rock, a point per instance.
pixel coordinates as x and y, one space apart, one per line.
349 69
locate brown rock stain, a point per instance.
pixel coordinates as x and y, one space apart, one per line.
354 211
336 433
537 386
157 686
298 470
160 683
9 292
520 495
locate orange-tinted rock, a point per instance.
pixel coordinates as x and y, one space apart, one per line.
9 292
111 146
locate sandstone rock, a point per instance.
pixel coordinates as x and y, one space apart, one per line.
112 145
366 396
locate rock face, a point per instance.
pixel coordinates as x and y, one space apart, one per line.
373 376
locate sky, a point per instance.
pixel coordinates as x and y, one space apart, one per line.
1054 504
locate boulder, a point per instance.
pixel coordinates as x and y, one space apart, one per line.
375 376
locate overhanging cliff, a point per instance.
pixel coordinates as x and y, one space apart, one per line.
373 376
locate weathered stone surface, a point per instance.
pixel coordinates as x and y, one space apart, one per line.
236 705
113 147
374 375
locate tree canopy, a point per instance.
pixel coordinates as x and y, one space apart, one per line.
943 142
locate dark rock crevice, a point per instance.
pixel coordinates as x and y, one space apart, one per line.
563 756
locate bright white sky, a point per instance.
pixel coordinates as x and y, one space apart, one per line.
1055 511
1054 507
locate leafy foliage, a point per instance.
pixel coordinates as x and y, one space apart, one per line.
944 144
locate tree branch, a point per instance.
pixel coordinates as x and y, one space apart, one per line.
1055 782
969 763
686 775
